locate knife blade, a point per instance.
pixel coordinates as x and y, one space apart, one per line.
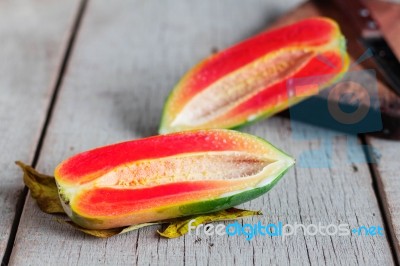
372 38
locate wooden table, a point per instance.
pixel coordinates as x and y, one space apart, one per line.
76 74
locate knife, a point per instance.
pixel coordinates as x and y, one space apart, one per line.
372 38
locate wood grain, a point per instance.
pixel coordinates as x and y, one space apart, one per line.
387 168
387 171
31 51
127 57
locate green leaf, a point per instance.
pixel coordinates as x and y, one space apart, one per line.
180 226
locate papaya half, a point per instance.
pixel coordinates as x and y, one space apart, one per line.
249 80
167 176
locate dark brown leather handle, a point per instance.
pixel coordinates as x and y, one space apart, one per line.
360 15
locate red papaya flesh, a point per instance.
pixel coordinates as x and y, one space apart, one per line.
248 81
167 176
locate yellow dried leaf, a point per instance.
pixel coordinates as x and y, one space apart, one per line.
43 189
180 226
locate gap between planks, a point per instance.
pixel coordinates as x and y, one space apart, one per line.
380 193
22 199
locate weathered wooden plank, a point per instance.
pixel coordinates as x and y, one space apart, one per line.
387 168
387 171
33 36
127 57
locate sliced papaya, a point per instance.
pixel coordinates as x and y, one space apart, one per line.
248 81
167 176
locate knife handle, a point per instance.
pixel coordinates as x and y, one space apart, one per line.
361 16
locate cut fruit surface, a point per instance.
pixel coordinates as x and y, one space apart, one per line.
190 167
167 176
248 81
